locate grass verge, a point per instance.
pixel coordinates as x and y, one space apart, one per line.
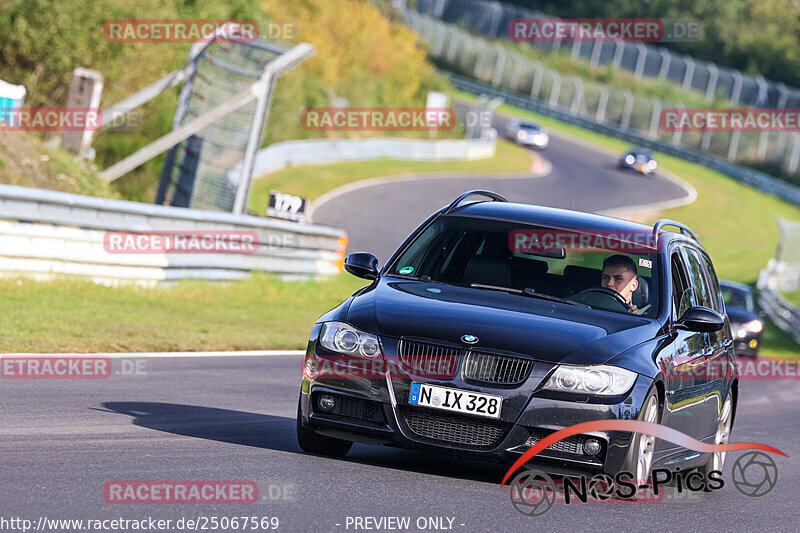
79 316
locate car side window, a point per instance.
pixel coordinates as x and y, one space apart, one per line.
682 295
713 283
697 278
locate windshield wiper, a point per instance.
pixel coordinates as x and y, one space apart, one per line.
533 294
528 292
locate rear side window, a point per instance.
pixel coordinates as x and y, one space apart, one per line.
713 284
697 278
682 295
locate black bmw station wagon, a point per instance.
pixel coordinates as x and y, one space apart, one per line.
496 324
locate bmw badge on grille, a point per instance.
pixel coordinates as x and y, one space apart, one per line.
469 339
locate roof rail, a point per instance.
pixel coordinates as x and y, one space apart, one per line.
685 230
489 194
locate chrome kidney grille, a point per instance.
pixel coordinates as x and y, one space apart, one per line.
495 368
441 362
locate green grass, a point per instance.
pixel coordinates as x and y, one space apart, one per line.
310 181
80 316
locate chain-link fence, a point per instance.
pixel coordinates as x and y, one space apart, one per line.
492 19
470 55
223 70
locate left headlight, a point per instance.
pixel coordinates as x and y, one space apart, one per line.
344 338
599 380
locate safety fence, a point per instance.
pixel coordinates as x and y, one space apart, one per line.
458 51
47 233
643 60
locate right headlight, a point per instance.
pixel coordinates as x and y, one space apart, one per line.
598 380
344 338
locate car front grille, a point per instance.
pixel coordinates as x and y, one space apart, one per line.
572 445
454 429
496 369
430 360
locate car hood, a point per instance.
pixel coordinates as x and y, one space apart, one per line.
548 331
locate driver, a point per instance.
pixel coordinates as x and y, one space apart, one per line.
619 275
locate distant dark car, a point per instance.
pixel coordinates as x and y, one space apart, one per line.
527 133
492 326
747 323
638 159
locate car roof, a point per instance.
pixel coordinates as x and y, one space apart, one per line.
562 218
547 216
735 285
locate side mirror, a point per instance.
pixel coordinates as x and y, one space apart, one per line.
701 319
362 265
762 314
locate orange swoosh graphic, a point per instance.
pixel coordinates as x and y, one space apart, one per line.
635 426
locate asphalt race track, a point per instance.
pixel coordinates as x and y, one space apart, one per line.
233 418
378 218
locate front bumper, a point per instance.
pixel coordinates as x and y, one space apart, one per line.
747 346
374 409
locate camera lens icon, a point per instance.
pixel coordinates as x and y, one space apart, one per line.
532 493
755 474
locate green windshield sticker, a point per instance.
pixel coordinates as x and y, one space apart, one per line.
406 270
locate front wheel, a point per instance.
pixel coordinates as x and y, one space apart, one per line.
724 425
311 442
643 447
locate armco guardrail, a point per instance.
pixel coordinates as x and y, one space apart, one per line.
759 180
45 233
322 151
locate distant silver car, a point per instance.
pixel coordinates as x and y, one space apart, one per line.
527 133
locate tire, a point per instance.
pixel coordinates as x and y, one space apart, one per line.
311 442
642 451
716 461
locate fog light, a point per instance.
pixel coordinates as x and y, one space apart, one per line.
326 402
592 447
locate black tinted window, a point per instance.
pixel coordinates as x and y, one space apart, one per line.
697 278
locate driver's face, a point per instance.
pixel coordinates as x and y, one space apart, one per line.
621 280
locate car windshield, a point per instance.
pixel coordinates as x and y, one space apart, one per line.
537 261
736 297
529 126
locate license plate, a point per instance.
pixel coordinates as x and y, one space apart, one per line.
460 401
